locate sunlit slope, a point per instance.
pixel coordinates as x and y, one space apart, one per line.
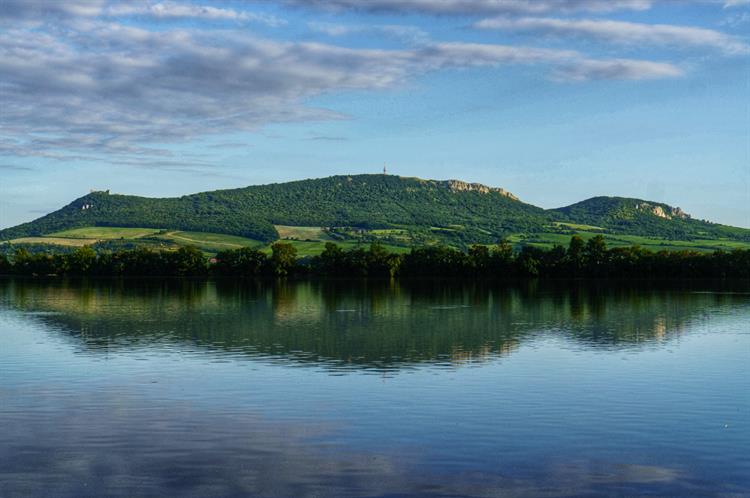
395 210
308 241
622 215
364 201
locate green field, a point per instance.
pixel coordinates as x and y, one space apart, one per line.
310 241
313 248
58 241
301 233
209 242
403 211
389 231
578 226
550 239
104 233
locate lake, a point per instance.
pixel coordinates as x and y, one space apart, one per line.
355 389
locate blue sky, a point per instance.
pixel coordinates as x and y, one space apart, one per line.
554 100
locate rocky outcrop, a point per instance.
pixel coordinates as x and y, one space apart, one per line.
459 186
662 211
679 213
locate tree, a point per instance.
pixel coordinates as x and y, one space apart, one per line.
380 262
188 261
529 261
553 261
575 254
330 261
5 266
22 263
480 258
241 262
139 261
82 261
501 259
283 258
595 255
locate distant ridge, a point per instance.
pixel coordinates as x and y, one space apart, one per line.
449 211
613 208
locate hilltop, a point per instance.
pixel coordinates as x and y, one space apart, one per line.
642 217
359 201
397 210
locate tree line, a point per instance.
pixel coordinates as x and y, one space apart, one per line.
589 259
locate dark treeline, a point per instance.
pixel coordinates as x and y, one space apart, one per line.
591 259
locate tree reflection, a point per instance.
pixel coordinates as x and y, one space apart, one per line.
359 324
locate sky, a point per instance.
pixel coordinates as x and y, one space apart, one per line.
554 100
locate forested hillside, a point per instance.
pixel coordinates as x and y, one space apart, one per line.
640 217
363 201
395 209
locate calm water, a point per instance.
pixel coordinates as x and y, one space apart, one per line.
334 389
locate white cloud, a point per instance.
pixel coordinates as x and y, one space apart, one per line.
140 87
498 7
621 32
411 34
93 85
475 7
37 11
622 69
175 10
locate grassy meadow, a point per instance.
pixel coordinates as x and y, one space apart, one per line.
104 233
58 241
547 240
310 241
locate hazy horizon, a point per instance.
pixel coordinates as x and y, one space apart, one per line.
556 101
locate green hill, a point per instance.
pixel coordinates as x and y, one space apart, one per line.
396 210
457 209
639 217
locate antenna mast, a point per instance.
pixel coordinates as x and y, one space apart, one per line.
385 171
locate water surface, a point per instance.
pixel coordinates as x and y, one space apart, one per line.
149 388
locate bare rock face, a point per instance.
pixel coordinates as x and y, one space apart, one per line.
658 210
679 213
459 186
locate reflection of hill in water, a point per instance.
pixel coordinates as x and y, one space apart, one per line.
355 324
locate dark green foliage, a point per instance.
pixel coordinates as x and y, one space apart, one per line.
574 257
5 265
363 201
480 258
27 263
8 250
380 263
639 217
436 261
452 213
243 262
283 258
187 261
81 262
375 262
198 213
501 259
595 254
380 201
84 261
591 259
